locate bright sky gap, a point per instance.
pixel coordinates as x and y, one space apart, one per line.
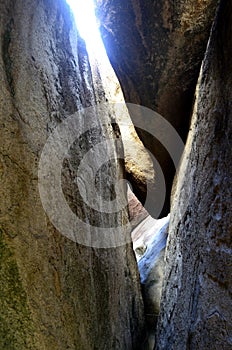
84 13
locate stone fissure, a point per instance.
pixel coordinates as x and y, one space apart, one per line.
7 58
59 292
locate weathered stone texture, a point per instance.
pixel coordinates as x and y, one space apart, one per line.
137 213
196 306
54 293
156 49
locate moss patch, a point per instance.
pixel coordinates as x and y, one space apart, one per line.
15 322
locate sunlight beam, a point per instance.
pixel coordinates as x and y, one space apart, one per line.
84 13
88 28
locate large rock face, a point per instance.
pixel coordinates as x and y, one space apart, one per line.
156 49
54 292
196 305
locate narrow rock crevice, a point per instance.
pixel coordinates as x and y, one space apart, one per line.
84 263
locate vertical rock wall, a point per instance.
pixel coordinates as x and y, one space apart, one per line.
156 49
54 293
196 304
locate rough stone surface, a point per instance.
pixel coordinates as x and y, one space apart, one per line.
156 49
137 213
138 163
137 160
196 305
54 293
